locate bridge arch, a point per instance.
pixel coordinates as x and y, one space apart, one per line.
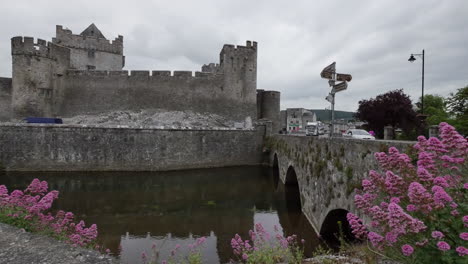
291 177
291 190
330 229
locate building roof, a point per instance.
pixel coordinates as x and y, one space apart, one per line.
92 31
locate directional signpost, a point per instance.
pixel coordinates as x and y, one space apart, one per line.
329 73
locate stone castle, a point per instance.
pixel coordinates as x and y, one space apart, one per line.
82 74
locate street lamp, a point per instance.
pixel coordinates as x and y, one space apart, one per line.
412 59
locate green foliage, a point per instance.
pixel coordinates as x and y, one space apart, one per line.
458 103
338 164
19 221
351 186
349 173
434 107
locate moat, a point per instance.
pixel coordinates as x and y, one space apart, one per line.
136 210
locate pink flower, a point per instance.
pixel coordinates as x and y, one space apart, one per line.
358 229
437 234
375 239
424 175
391 237
442 245
454 212
440 181
440 196
418 194
462 251
395 200
407 250
244 256
411 208
394 183
464 236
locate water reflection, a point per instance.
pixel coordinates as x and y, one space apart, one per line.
135 210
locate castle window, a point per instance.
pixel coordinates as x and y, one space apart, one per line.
90 67
91 53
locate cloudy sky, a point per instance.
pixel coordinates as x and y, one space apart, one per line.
371 40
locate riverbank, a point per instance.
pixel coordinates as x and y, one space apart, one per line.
18 247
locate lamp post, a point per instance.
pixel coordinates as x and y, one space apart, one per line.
412 59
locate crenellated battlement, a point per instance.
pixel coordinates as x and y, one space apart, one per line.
146 74
211 67
41 48
65 37
250 45
82 73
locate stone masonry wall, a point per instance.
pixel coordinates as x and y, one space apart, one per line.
328 170
38 69
92 92
35 147
5 99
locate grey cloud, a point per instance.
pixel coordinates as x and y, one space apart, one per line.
370 39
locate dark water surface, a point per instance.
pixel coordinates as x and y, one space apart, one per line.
134 210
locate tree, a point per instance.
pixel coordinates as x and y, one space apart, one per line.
434 108
393 108
457 105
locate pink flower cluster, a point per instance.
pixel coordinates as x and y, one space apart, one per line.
34 205
260 239
406 202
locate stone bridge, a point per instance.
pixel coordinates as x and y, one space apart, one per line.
325 172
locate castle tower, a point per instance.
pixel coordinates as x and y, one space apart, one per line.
239 65
268 107
91 50
38 68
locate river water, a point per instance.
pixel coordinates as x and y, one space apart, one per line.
136 211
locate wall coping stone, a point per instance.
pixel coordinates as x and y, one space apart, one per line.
123 127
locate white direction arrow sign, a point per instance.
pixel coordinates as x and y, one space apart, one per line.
329 98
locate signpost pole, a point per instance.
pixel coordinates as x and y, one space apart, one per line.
329 73
332 126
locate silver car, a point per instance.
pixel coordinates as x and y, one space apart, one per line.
358 134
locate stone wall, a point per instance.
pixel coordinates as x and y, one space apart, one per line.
45 83
33 147
5 99
82 59
327 170
38 69
93 92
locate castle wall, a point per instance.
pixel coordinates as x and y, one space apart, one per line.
42 147
5 99
91 51
91 92
81 60
38 69
65 37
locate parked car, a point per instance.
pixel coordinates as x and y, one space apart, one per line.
358 133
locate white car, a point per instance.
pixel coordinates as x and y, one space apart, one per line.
358 134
